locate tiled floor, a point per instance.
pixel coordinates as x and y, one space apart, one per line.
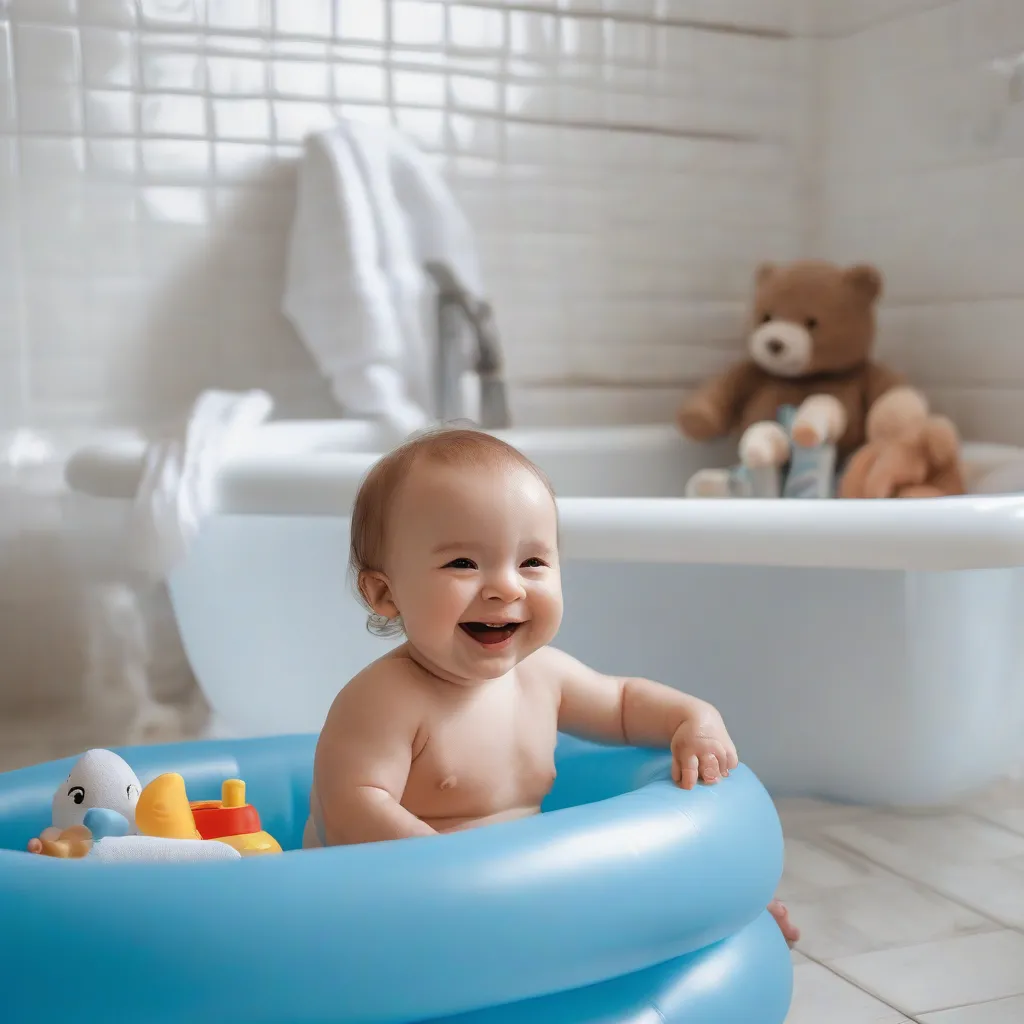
908 917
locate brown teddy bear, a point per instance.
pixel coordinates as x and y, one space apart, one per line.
810 347
910 453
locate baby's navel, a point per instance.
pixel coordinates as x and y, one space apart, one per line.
448 782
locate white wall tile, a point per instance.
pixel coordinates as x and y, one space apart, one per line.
46 55
177 14
916 180
624 162
108 58
238 15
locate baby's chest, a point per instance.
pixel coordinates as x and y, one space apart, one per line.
495 753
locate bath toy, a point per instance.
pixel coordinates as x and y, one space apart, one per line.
233 821
161 812
104 823
156 849
910 453
104 838
627 898
99 778
73 842
165 811
805 472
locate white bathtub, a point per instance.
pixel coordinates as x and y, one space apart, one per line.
866 651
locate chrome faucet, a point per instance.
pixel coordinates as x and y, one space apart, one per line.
457 309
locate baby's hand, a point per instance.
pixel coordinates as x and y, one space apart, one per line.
701 749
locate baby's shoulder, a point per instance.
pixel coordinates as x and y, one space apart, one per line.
553 669
389 685
543 668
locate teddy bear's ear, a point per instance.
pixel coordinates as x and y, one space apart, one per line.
866 279
763 272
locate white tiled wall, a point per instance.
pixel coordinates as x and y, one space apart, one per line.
924 173
626 163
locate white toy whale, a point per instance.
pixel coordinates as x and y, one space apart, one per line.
97 802
99 778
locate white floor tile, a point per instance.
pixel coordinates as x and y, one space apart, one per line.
938 975
922 847
996 889
882 913
820 997
814 867
802 814
968 860
1002 804
1002 1011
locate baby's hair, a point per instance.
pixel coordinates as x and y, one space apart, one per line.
463 447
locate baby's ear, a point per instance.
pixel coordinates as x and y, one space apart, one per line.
376 592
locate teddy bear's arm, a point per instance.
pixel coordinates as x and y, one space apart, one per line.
714 409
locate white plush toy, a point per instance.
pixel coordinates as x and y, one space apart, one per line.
97 801
99 778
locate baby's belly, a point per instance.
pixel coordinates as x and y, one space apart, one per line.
455 824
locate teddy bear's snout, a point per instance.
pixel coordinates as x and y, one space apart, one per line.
782 347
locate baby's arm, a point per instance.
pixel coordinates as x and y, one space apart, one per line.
362 763
642 713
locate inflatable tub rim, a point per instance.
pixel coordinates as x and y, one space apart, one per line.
481 916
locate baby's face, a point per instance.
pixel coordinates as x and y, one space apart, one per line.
472 564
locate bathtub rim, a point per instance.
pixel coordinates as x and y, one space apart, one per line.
283 469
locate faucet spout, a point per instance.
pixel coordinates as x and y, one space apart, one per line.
457 308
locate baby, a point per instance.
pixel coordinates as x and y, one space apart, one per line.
455 544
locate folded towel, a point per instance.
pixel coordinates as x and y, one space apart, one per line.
176 490
122 849
370 213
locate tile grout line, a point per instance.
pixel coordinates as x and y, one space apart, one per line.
916 1018
821 839
958 901
159 27
959 1006
860 988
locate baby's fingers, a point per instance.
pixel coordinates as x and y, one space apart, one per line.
732 759
685 771
709 767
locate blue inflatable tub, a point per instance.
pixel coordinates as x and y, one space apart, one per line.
628 900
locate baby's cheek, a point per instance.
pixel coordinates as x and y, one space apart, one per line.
442 605
547 607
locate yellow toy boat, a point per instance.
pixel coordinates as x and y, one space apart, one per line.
164 810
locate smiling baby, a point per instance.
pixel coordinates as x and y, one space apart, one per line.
455 545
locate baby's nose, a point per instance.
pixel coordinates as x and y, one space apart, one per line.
775 346
504 586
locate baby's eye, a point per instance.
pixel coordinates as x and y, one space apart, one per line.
533 563
77 794
461 563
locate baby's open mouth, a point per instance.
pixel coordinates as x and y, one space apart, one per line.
490 632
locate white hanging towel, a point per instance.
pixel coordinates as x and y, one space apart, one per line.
176 489
370 213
